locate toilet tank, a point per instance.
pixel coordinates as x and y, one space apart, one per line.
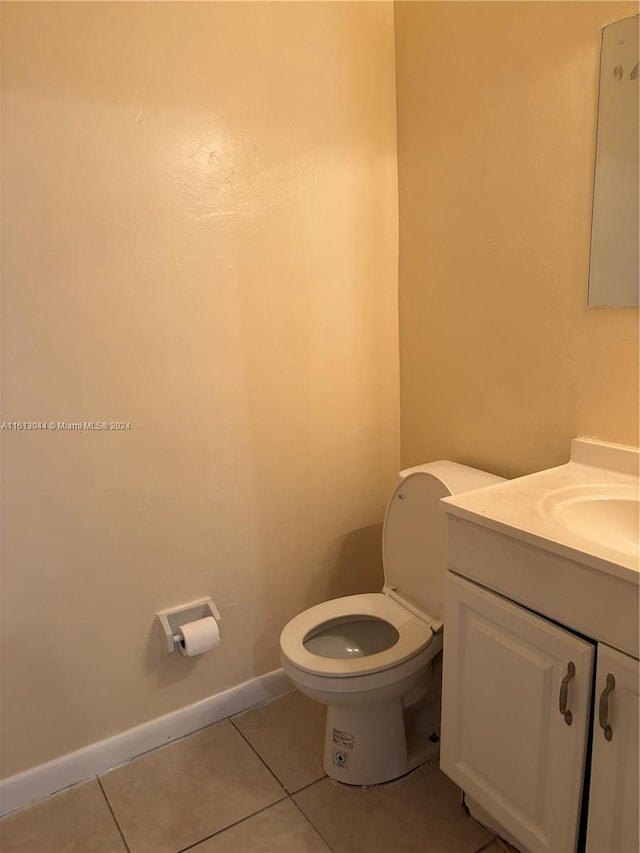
414 536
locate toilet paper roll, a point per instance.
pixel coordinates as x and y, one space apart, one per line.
199 636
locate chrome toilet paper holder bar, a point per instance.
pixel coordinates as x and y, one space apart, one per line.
170 620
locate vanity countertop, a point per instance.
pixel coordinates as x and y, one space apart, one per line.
585 510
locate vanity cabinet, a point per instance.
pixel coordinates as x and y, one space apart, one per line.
614 794
515 715
519 692
541 619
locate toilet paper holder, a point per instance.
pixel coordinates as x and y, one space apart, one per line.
170 620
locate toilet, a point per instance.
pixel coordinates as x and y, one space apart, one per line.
374 659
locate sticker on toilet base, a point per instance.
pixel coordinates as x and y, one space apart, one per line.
340 758
343 739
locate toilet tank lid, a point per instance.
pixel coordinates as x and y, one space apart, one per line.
455 477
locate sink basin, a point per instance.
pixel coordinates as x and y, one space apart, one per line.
586 510
606 514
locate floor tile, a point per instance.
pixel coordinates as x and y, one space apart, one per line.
420 812
181 794
75 821
278 829
288 734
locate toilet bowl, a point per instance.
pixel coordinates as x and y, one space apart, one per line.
374 659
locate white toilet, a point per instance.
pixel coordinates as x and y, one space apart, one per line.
373 659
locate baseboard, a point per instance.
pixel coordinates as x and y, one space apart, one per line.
93 760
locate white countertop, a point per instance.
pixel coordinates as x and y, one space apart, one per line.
522 508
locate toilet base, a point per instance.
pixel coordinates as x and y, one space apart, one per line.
374 745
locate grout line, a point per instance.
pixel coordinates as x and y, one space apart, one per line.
113 815
231 825
255 751
283 786
308 785
488 844
289 794
309 821
286 794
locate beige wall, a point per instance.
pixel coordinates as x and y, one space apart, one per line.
501 361
200 237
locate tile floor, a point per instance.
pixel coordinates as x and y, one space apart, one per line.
250 784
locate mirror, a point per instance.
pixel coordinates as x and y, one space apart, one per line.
613 267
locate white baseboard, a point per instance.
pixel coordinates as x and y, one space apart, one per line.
45 779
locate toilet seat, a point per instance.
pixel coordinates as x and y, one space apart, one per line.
414 635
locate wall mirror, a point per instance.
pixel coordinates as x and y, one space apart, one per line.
615 230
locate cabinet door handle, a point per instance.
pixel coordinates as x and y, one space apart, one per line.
603 707
564 693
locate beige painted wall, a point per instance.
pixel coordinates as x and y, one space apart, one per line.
502 363
200 237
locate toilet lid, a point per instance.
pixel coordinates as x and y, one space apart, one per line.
414 543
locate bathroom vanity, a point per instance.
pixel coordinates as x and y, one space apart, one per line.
540 710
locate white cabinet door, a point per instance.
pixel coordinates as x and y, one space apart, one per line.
504 738
614 794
